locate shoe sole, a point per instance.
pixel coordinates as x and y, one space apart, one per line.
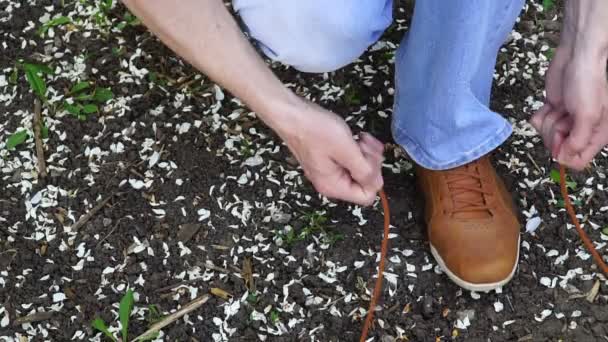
483 287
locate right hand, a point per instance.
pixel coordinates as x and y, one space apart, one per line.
338 166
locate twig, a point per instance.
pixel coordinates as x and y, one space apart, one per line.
111 231
533 162
86 217
195 304
35 317
181 283
38 139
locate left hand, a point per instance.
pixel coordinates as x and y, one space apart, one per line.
574 120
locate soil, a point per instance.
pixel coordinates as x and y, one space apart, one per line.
313 288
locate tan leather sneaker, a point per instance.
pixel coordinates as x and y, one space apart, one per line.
472 225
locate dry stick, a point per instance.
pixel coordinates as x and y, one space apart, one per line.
35 317
38 138
570 209
383 249
156 327
86 217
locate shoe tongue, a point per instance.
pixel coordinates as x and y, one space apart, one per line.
469 196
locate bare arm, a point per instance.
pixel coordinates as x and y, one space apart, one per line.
205 34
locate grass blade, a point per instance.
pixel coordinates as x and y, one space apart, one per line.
125 308
100 325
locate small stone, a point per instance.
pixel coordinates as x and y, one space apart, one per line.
106 222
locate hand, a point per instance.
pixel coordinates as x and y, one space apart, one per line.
338 166
574 121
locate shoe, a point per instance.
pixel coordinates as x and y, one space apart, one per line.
472 224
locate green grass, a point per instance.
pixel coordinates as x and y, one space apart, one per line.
554 175
124 312
315 223
84 99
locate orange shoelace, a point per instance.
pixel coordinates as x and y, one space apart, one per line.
466 190
378 287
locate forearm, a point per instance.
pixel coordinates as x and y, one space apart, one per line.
586 24
204 33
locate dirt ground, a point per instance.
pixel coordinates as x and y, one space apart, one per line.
201 195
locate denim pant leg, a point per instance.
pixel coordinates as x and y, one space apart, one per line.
444 71
315 35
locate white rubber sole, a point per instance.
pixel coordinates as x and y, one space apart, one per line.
484 287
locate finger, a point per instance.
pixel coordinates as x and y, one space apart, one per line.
548 127
539 116
580 135
373 142
581 160
559 133
341 186
376 160
371 153
360 169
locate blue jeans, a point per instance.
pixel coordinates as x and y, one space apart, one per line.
444 64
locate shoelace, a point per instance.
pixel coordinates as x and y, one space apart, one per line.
466 190
378 287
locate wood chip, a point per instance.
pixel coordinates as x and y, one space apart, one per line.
38 139
247 274
216 291
35 317
593 292
187 231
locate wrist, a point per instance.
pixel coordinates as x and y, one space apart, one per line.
280 111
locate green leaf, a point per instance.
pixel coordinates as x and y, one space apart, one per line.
605 230
121 25
14 75
103 95
90 108
100 325
52 23
150 337
84 97
36 82
548 5
16 139
125 308
252 298
38 68
44 131
72 109
274 316
554 176
78 87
